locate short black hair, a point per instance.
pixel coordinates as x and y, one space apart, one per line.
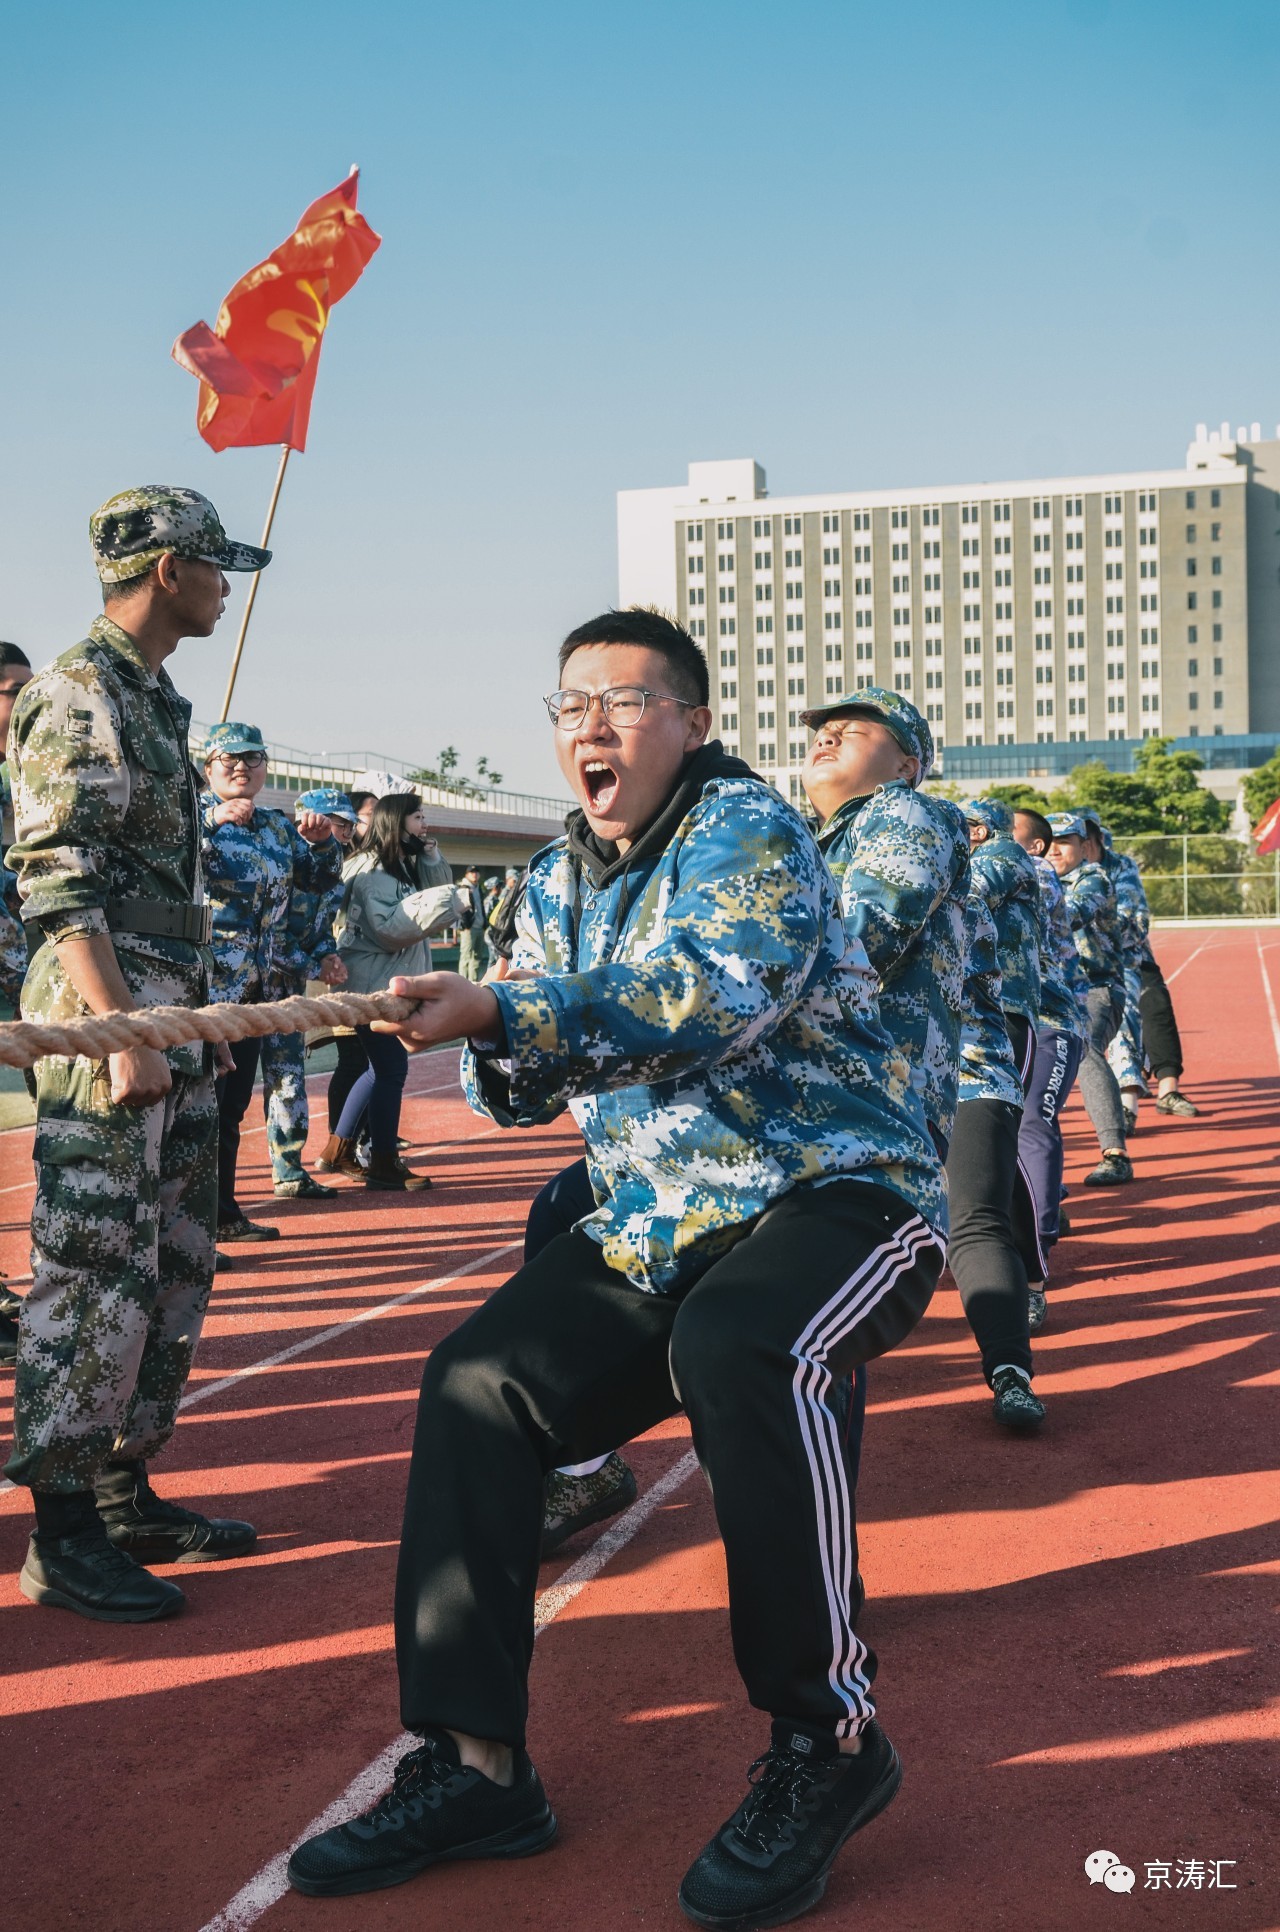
13 654
116 593
652 630
1040 826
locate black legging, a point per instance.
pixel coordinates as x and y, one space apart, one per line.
351 1064
1159 1027
982 1171
234 1091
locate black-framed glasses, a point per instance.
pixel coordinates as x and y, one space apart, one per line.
251 760
622 707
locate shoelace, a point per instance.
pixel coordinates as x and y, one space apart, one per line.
777 1796
417 1773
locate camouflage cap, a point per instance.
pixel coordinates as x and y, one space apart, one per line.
1068 825
991 812
231 738
132 531
328 800
893 710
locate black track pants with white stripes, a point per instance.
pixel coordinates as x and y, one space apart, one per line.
567 1360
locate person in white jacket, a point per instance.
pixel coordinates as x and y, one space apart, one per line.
399 890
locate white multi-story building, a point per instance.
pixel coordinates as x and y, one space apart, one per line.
1081 612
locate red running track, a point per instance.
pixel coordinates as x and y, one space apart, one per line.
1077 1633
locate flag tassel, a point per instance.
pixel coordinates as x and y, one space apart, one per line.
285 454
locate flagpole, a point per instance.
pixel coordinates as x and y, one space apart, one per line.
285 453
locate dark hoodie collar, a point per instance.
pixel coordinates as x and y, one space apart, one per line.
601 859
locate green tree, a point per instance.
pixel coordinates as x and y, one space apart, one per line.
1262 788
444 773
1123 803
1021 797
1182 801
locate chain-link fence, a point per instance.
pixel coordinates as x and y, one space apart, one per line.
1205 876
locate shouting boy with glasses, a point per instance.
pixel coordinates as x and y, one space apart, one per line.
768 1205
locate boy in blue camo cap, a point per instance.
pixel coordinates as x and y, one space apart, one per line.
768 1211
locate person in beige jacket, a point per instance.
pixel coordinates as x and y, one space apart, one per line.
399 891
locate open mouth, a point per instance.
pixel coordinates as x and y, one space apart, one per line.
601 783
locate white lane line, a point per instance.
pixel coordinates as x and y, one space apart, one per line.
271 1883
1271 999
1170 977
205 1389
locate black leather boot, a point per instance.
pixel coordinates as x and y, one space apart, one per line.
139 1521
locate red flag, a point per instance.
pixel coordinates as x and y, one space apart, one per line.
257 366
1266 832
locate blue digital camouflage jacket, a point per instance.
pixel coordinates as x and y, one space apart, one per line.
987 1068
1095 924
251 873
711 1026
1005 877
1132 911
1062 981
901 861
308 934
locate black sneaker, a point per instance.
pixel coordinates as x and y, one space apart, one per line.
143 1524
243 1229
10 1303
85 1573
1064 1223
1016 1406
436 1809
573 1502
771 1861
8 1341
1037 1309
1113 1170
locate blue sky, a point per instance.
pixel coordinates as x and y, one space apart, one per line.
868 246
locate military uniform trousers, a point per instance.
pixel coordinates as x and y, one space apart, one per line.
122 1263
283 1065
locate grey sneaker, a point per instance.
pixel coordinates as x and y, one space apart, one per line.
1037 1309
1113 1170
1016 1406
1177 1104
573 1502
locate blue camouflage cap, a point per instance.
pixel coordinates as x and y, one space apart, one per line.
328 800
892 710
991 812
232 738
1068 825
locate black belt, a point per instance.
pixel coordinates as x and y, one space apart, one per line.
159 920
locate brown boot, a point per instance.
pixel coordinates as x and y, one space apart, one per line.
388 1171
339 1157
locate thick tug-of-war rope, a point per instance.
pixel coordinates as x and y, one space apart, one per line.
23 1042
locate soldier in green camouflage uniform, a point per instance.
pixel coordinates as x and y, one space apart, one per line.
107 857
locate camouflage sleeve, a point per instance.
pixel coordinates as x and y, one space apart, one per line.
315 867
1088 899
326 916
738 942
902 868
1131 905
71 788
991 878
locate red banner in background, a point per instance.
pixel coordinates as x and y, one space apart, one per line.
257 365
1266 832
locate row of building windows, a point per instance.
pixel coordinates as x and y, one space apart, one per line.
930 516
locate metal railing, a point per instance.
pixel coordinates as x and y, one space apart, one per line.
292 770
1206 875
